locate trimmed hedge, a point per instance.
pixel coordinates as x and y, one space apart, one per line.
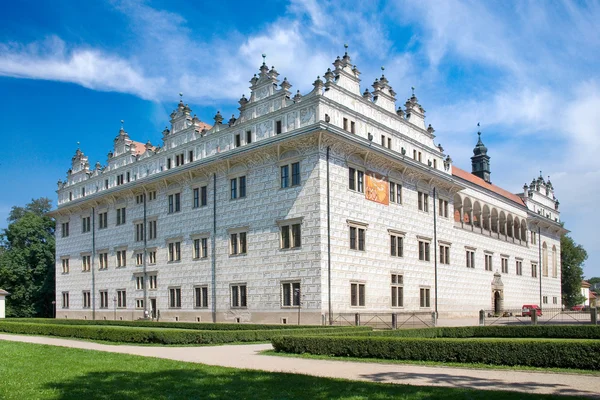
512 331
581 354
204 326
160 335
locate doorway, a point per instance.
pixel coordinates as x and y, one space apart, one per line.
153 308
497 303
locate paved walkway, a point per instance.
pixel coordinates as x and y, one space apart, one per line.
246 356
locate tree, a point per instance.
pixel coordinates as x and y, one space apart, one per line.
594 280
27 267
572 257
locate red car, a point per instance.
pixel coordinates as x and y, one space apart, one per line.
577 308
527 308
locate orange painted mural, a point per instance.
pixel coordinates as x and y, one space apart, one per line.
377 188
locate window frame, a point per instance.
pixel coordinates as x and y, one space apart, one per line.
397 290
240 299
201 297
174 297
424 297
358 298
356 179
290 298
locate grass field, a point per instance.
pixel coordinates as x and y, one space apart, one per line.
30 371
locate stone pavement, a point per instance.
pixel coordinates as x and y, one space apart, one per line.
246 356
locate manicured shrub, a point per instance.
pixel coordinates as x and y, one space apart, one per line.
573 353
512 331
160 335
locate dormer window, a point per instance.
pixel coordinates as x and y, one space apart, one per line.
238 140
120 179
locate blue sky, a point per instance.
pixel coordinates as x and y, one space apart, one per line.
528 71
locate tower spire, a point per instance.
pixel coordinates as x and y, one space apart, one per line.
480 162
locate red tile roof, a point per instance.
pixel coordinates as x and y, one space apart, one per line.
467 176
585 284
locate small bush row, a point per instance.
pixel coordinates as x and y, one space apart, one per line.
162 335
580 354
512 331
204 326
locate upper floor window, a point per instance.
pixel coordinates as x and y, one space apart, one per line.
121 258
65 229
345 124
395 193
174 203
238 187
357 294
120 179
200 197
139 199
424 250
443 208
237 243
534 270
152 195
179 159
139 232
175 251
518 267
248 137
103 220
470 254
291 236
86 224
290 294
488 262
190 155
445 254
65 265
103 257
152 233
294 179
86 263
357 238
397 286
356 179
396 245
504 265
200 248
352 127
278 127
121 216
423 199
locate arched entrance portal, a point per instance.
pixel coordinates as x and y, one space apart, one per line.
497 294
497 303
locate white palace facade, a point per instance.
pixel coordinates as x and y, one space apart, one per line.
328 203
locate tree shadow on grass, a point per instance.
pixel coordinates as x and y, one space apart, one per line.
243 384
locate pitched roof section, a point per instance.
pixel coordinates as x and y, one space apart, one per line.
464 175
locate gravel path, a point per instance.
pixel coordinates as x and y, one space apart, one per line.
246 356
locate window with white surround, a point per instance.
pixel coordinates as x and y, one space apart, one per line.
545 299
86 263
443 208
139 282
238 187
139 232
139 199
103 260
174 251
395 193
238 242
200 248
357 237
423 200
121 258
488 262
534 270
152 195
424 250
139 259
139 303
290 294
65 229
152 233
519 267
65 265
121 216
152 257
554 300
175 297
470 258
397 286
201 297
174 203
103 220
445 253
356 180
152 282
87 299
121 298
291 237
65 299
200 197
504 262
396 243
290 175
424 297
357 294
104 299
86 224
533 237
238 296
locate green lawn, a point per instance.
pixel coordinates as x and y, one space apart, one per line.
30 371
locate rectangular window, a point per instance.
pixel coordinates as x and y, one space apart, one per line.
383 140
285 176
139 199
444 254
295 174
291 236
238 140
121 216
238 187
545 299
201 297
65 265
278 127
121 258
357 294
237 243
238 296
139 259
488 262
152 234
152 282
389 144
120 179
106 184
121 298
352 127
345 124
290 294
518 267
139 303
203 196
196 198
152 257
470 259
534 270
420 159
356 180
424 250
128 176
103 220
443 208
357 238
175 251
168 163
86 224
395 193
397 290
103 299
504 262
65 229
423 201
190 155
87 299
424 298
554 300
103 257
200 248
86 263
175 297
139 283
139 232
174 203
248 137
179 160
533 237
65 299
397 246
152 195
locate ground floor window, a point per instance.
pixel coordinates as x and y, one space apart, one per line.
238 296
175 297
65 299
201 297
397 290
121 298
357 294
87 299
104 299
424 298
290 294
139 303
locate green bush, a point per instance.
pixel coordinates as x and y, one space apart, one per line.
204 326
581 354
512 331
161 335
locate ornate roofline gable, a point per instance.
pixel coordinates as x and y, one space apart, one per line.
181 117
344 75
383 95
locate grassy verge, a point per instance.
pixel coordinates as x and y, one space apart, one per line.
433 363
31 371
